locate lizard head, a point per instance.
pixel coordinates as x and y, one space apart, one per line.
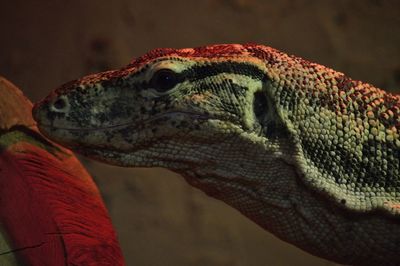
179 109
254 127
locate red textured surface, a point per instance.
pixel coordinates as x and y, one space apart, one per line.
210 51
204 51
52 211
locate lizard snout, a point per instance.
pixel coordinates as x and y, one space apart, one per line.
47 110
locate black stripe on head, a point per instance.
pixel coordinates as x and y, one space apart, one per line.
199 72
204 71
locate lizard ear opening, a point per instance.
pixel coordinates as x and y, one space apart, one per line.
269 124
260 108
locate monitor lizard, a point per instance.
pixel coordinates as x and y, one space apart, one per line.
302 150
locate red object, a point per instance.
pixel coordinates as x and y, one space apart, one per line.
50 209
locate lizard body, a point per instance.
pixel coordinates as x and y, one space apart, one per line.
304 151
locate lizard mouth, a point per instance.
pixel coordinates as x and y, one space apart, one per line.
127 124
140 124
76 138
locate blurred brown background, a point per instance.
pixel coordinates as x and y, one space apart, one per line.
160 220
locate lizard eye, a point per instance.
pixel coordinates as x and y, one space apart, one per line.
164 79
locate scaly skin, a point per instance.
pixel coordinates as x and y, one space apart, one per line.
307 153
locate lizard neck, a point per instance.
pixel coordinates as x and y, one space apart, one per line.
272 194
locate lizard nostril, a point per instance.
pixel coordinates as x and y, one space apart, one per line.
60 105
